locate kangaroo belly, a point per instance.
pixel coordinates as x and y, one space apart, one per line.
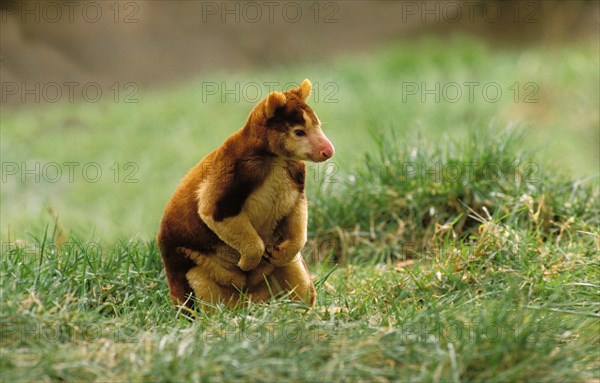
271 202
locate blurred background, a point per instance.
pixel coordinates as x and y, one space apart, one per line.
106 104
158 42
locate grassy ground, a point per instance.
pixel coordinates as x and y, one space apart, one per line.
464 252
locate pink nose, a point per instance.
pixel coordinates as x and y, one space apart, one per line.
327 150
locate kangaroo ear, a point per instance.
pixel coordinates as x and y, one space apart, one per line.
304 89
275 100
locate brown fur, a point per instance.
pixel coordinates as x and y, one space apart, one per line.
237 221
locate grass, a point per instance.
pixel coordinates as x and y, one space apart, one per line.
511 294
170 130
425 270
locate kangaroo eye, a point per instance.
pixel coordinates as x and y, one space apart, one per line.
300 133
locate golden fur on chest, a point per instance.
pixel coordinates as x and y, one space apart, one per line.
272 201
